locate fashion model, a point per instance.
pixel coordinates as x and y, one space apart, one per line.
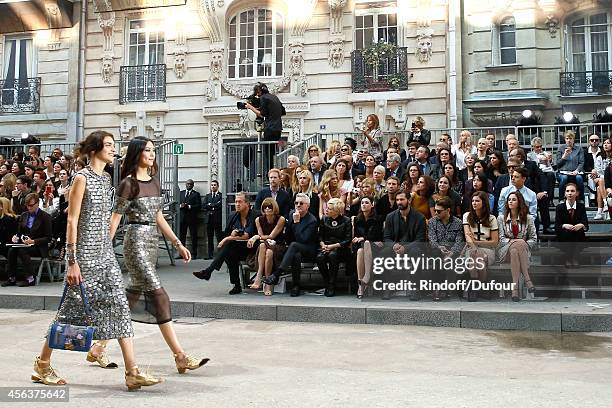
92 263
139 199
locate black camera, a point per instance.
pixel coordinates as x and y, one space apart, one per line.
253 99
413 124
241 105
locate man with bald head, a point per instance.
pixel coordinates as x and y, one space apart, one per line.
190 204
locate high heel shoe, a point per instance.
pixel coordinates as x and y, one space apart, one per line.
359 290
515 296
256 284
188 363
46 375
101 359
532 289
134 379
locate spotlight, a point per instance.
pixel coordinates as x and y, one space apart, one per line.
568 117
527 113
609 110
24 136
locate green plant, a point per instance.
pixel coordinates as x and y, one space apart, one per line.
373 54
396 81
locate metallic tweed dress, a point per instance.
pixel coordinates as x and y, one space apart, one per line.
102 278
148 300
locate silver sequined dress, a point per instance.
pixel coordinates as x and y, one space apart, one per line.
101 274
149 302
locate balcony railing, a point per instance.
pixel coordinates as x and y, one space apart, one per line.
389 74
142 83
20 96
586 82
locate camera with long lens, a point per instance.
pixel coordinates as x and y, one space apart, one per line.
252 99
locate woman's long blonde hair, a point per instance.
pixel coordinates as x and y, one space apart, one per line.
325 190
331 150
9 180
6 208
306 158
310 187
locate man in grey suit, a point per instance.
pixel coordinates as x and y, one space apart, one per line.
405 233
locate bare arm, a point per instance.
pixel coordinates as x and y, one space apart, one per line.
114 224
165 229
278 229
73 275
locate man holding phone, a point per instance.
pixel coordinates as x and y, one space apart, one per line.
34 232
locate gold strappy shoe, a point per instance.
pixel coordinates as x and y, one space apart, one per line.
136 379
46 375
101 359
188 362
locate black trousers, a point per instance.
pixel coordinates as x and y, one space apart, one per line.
192 225
329 263
231 253
24 255
293 259
213 227
544 211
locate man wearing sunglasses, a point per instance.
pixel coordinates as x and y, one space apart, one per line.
34 230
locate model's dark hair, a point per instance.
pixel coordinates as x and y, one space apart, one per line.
92 144
260 86
486 210
129 167
523 209
361 216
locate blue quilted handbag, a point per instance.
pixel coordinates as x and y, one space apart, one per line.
71 337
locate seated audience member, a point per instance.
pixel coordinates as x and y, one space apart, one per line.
38 183
608 187
445 156
411 178
8 225
386 203
504 181
427 169
17 168
410 153
370 165
405 230
329 189
544 160
8 186
393 166
79 165
332 153
301 236
379 178
517 237
482 150
463 148
317 168
422 199
597 176
29 170
4 169
233 248
433 155
334 239
491 142
367 188
478 183
482 237
48 166
345 181
570 163
22 189
359 166
511 144
496 166
57 167
281 197
312 151
450 171
593 154
269 241
571 223
34 229
50 201
445 234
394 143
443 189
467 173
306 186
368 231
519 176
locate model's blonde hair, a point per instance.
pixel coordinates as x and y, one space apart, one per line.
6 208
324 188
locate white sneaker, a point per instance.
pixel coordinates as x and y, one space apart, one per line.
599 215
606 216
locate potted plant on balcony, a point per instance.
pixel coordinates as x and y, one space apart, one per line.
397 81
374 56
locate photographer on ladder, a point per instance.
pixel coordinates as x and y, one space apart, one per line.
271 109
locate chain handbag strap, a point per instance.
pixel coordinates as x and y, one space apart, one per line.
86 306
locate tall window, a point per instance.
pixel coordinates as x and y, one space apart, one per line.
507 41
18 67
256 41
375 24
146 43
589 43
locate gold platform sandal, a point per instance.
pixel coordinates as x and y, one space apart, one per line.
101 359
186 362
134 379
46 375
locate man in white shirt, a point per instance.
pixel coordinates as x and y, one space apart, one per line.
518 178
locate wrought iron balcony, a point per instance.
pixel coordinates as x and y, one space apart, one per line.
586 82
142 83
20 96
390 73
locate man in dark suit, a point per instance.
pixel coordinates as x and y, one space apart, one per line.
428 169
386 203
34 230
405 232
317 168
503 181
22 189
190 205
281 197
571 223
393 166
213 202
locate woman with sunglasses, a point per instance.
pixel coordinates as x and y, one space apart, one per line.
269 242
312 151
517 237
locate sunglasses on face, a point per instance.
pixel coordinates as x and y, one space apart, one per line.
594 140
299 203
438 211
267 207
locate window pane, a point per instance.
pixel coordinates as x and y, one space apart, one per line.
358 21
368 21
392 19
382 20
368 37
508 56
507 40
